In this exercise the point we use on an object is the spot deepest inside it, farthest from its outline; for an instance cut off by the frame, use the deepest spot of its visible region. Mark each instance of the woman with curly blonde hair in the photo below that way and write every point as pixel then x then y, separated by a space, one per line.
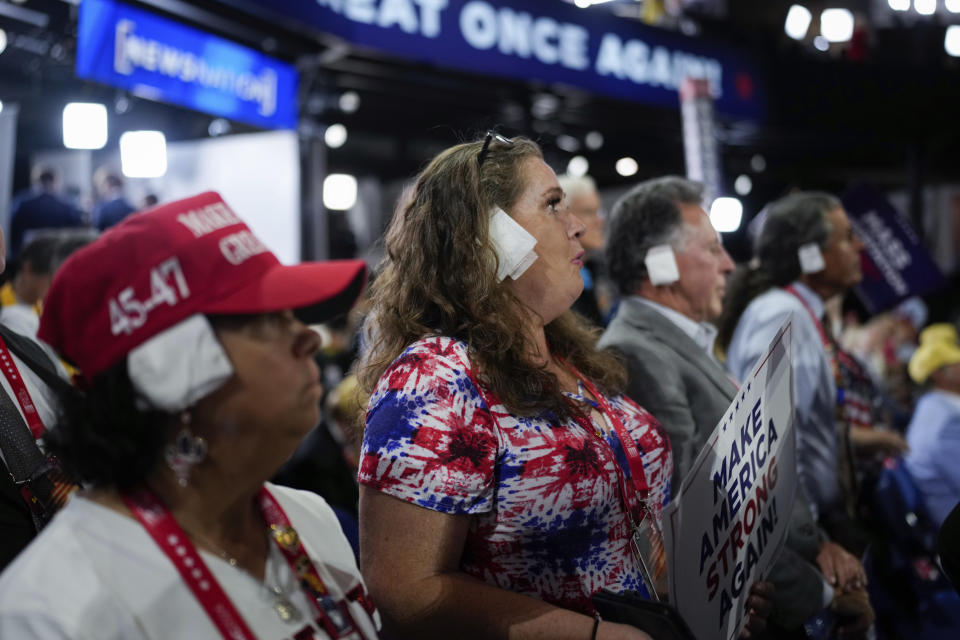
pixel 502 473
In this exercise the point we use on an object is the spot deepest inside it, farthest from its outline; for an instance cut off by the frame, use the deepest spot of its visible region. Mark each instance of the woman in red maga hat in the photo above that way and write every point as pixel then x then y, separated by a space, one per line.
pixel 198 381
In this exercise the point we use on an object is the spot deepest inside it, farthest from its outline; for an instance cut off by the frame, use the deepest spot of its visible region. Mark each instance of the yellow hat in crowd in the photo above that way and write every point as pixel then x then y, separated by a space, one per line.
pixel 939 347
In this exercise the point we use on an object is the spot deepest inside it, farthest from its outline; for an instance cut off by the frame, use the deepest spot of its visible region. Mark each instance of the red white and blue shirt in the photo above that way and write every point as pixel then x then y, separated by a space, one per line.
pixel 549 521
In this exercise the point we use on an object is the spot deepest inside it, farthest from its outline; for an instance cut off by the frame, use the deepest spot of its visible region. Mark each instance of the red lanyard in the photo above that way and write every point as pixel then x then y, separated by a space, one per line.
pixel 20 391
pixel 176 545
pixel 638 477
pixel 827 343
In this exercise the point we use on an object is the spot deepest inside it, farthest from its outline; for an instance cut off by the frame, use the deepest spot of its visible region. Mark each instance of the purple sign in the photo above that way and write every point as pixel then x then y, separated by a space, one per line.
pixel 896 264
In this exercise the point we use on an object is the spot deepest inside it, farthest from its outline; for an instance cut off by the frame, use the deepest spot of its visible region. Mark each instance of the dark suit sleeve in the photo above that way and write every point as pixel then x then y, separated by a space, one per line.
pixel 655 384
pixel 798 583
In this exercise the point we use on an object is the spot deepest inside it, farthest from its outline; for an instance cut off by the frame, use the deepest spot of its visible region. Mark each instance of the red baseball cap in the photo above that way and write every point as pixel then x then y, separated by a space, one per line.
pixel 157 268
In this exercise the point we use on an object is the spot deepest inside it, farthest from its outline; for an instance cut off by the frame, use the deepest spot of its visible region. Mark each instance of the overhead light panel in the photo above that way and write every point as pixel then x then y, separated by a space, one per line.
pixel 84 125
pixel 3 40
pixel 899 5
pixel 339 191
pixel 953 6
pixel 143 154
pixel 798 22
pixel 951 42
pixel 725 214
pixel 836 25
pixel 925 7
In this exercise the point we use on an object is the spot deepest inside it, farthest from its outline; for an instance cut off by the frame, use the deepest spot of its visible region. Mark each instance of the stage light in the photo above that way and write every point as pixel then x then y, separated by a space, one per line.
pixel 593 140
pixel 335 136
pixel 951 42
pixel 84 125
pixel 339 191
pixel 725 214
pixel 349 102
pixel 143 154
pixel 836 25
pixel 626 166
pixel 578 166
pixel 798 22
pixel 925 7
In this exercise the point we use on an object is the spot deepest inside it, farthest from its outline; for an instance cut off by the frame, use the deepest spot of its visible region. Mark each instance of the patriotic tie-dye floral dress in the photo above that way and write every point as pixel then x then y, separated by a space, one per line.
pixel 549 521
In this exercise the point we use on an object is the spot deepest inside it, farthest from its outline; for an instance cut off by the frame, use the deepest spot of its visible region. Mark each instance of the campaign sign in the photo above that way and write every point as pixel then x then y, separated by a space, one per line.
pixel 896 264
pixel 725 528
pixel 534 40
pixel 163 60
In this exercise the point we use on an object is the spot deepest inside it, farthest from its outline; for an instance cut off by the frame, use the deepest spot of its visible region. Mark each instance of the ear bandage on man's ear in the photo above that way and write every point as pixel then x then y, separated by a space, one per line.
pixel 661 265
pixel 811 258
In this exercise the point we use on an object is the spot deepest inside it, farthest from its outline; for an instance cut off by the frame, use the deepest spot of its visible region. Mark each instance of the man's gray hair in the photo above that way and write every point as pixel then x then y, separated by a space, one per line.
pixel 576 185
pixel 647 216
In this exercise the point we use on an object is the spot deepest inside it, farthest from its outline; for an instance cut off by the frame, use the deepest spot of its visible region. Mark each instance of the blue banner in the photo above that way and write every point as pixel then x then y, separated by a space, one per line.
pixel 896 264
pixel 534 40
pixel 163 60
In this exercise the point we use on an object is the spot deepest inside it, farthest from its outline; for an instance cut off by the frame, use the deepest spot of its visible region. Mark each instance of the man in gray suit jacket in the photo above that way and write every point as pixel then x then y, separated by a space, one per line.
pixel 671 267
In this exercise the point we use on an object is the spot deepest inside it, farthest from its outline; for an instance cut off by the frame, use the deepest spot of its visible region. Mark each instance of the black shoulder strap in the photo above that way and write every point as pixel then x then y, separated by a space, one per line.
pixel 33 355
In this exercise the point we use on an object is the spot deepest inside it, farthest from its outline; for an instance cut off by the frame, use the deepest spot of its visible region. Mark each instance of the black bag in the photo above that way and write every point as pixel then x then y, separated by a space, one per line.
pixel 658 619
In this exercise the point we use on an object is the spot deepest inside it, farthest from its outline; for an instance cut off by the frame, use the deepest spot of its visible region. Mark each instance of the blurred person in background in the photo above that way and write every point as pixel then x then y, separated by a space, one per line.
pixel 112 205
pixel 41 207
pixel 21 298
pixel 198 382
pixel 885 344
pixel 934 431
pixel 663 327
pixel 583 199
pixel 326 461
pixel 33 274
pixel 807 253
pixel 501 471
pixel 33 487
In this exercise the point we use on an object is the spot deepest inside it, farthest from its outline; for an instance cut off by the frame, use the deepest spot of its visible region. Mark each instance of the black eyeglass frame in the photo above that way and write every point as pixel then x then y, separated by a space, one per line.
pixel 490 137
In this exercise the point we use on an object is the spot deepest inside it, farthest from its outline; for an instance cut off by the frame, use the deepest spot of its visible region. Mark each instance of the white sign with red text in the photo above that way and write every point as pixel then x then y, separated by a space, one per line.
pixel 725 527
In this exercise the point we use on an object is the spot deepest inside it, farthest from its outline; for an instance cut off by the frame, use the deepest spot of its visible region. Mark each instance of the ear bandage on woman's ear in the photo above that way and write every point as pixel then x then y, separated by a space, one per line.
pixel 661 265
pixel 180 365
pixel 513 244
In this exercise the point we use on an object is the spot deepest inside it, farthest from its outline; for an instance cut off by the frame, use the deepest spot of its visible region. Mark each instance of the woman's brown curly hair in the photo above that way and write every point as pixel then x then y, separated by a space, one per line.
pixel 440 278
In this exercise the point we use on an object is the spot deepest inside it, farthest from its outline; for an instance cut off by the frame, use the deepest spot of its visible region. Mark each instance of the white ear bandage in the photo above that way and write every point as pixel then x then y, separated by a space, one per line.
pixel 661 265
pixel 811 259
pixel 180 365
pixel 513 244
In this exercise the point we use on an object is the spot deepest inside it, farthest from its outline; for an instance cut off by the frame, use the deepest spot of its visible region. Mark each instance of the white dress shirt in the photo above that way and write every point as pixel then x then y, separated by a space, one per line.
pixel 814 385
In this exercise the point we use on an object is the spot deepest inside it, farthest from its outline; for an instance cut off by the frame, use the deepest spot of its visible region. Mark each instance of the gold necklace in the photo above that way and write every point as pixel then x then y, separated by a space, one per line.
pixel 286 610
